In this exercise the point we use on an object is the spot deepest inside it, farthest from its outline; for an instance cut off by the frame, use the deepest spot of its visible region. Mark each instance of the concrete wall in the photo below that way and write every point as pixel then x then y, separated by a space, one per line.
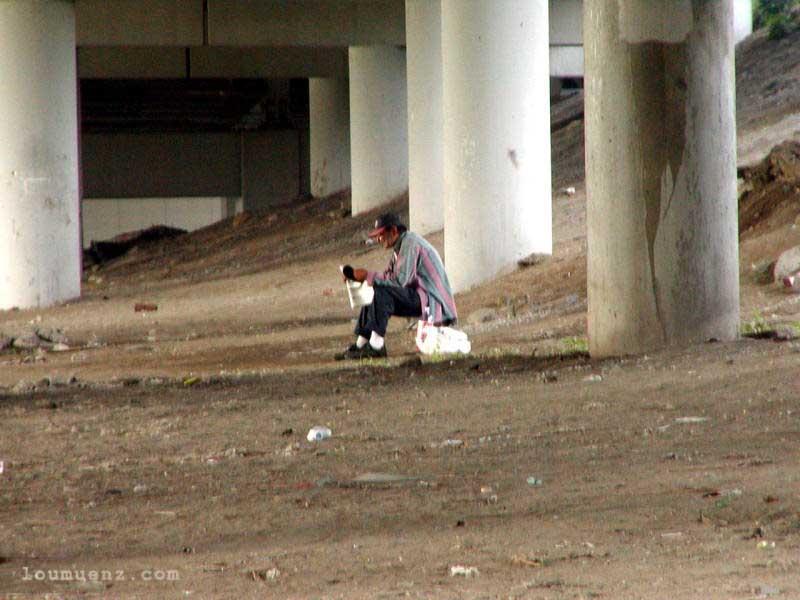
pixel 103 218
pixel 132 181
pixel 274 168
pixel 159 165
pixel 271 165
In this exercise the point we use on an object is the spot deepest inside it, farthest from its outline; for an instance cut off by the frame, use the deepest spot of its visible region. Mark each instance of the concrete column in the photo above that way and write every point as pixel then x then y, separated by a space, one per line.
pixel 378 125
pixel 40 261
pixel 425 119
pixel 329 106
pixel 663 263
pixel 742 19
pixel 496 136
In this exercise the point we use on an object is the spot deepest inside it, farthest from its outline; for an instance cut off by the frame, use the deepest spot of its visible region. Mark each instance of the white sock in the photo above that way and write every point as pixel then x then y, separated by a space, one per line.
pixel 361 341
pixel 376 341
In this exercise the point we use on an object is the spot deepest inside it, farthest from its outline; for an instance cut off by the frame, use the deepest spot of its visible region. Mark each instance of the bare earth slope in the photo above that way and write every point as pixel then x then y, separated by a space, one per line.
pixel 166 449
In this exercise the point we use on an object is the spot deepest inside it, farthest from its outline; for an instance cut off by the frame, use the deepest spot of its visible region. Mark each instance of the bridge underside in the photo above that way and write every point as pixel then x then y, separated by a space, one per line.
pixel 245 103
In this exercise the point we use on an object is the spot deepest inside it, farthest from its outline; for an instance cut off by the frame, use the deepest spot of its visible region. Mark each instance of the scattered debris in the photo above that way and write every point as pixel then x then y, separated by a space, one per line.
pixel 686 420
pixel 241 218
pixel 569 191
pixel 522 561
pixel 765 591
pixel 448 444
pixel 190 381
pixel 593 378
pixel 139 488
pixel 548 377
pixel 533 481
pixel 533 259
pixel 318 433
pixel 145 307
pixel 462 571
pixel 763 272
pixel 787 266
pixel 765 545
pixel 264 574
pixel 482 315
pixel 383 478
pixel 27 341
pixel 673 535
pixel 101 252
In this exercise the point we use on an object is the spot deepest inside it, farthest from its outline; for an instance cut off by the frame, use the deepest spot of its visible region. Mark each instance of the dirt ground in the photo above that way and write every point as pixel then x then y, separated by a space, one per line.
pixel 162 454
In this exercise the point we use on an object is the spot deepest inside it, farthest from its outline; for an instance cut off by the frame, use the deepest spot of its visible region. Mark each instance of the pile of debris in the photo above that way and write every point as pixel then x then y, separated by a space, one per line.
pixel 46 339
pixel 771 190
pixel 102 252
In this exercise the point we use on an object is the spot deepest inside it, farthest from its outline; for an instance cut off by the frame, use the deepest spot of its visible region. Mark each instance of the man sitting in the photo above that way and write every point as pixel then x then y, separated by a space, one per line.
pixel 414 285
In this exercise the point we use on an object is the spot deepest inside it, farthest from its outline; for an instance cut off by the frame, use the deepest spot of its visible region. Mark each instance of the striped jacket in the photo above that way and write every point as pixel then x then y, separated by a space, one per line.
pixel 416 264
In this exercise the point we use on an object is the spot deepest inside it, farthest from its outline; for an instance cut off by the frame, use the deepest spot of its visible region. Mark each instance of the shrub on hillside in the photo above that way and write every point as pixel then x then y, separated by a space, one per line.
pixel 776 15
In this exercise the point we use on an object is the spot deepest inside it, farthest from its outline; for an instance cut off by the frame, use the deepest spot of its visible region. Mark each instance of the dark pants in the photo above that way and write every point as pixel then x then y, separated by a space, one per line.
pixel 388 301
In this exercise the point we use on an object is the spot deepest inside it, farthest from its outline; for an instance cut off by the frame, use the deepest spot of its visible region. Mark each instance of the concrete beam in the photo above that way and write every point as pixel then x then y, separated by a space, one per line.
pixel 139 22
pixel 131 62
pixel 279 62
pixel 306 22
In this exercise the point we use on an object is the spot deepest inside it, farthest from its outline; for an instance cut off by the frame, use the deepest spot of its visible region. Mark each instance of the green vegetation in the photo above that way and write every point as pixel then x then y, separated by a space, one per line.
pixel 776 16
pixel 575 345
pixel 755 327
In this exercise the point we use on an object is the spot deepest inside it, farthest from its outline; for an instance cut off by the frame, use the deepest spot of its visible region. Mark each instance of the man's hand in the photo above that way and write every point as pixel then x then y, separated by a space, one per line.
pixel 354 274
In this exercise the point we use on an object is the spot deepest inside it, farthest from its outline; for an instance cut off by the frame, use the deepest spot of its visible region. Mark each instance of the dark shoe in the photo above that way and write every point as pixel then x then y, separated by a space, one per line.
pixel 353 352
pixel 370 352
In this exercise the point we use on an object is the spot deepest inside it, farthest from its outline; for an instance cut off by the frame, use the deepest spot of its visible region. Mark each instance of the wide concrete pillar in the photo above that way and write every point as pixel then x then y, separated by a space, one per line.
pixel 329 107
pixel 660 174
pixel 40 260
pixel 496 136
pixel 425 118
pixel 378 125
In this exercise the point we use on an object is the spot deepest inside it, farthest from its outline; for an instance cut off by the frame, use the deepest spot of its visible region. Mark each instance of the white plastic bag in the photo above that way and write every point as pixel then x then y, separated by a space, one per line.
pixel 441 340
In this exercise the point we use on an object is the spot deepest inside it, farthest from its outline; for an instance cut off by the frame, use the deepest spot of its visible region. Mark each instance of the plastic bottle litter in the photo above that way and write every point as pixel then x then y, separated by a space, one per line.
pixel 318 433
pixel 534 481
pixel 462 571
pixel 2 467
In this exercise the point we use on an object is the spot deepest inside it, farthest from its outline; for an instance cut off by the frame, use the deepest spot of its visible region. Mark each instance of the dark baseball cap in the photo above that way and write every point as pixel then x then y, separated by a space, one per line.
pixel 384 222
